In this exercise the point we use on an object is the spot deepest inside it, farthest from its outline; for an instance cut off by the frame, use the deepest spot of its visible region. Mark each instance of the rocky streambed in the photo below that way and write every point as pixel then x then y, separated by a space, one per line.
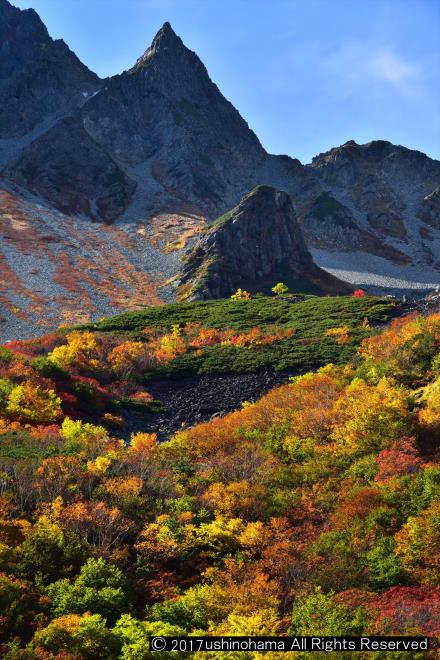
pixel 198 398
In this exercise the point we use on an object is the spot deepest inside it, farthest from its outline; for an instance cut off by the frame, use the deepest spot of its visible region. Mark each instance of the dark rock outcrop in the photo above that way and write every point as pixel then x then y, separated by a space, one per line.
pixel 253 246
pixel 198 398
pixel 327 223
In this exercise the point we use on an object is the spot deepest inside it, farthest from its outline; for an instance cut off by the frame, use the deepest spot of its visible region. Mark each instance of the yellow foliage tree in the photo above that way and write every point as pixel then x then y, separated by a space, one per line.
pixel 370 416
pixel 341 334
pixel 236 498
pixel 169 345
pixel 280 289
pixel 31 403
pixel 430 413
pixel 418 545
pixel 159 542
pixel 240 294
pixel 81 351
pixel 83 436
pixel 130 357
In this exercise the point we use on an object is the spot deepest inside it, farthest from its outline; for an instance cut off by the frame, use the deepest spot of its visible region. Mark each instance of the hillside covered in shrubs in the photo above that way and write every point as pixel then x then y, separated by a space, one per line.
pixel 314 510
pixel 95 372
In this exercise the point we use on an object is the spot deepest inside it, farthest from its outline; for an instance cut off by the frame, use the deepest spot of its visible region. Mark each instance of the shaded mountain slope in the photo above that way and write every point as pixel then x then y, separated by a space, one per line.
pixel 39 77
pixel 80 180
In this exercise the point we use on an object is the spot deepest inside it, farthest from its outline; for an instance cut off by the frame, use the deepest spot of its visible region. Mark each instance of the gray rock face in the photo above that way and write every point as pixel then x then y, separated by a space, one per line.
pixel 379 165
pixel 327 222
pixel 39 76
pixel 430 209
pixel 253 246
pixel 57 175
pixel 168 110
pixel 164 114
pixel 370 197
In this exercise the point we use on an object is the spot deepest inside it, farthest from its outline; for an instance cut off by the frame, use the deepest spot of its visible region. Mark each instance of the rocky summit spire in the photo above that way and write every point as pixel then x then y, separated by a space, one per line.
pixel 165 40
pixel 166 37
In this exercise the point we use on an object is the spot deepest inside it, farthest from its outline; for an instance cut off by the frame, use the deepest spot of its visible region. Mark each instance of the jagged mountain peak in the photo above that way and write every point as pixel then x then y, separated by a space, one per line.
pixel 166 44
pixel 25 41
pixel 166 36
pixel 168 111
pixel 6 6
pixel 172 69
pixel 386 163
pixel 375 150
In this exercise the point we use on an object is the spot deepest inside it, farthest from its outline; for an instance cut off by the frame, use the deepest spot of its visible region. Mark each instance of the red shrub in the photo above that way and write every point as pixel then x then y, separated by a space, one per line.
pixel 402 609
pixel 401 458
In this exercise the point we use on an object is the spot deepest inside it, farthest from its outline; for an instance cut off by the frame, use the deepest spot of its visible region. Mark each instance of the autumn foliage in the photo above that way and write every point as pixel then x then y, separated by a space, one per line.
pixel 313 511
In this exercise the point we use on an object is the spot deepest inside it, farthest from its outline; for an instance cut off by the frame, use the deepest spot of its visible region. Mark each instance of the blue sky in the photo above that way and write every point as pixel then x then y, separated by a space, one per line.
pixel 306 75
